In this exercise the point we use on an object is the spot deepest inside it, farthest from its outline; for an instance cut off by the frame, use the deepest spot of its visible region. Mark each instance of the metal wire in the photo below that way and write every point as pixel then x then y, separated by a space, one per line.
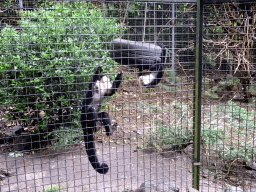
pixel 50 51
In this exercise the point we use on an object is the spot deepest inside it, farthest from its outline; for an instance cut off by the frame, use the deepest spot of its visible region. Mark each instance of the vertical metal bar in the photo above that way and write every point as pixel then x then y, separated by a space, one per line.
pixel 21 5
pixel 173 37
pixel 145 21
pixel 197 93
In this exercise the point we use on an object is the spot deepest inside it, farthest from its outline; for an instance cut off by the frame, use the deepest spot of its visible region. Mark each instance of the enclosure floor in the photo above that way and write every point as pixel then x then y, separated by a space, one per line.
pixel 71 171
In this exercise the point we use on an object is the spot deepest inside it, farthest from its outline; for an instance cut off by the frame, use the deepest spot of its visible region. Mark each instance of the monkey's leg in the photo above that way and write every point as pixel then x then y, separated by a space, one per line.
pixel 106 122
pixel 156 67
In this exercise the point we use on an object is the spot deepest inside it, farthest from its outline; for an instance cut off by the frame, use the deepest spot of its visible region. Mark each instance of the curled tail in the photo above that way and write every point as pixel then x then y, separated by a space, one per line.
pixel 91 152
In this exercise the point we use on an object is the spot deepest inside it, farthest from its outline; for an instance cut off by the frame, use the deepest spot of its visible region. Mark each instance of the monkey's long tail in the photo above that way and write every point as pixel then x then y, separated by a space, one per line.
pixel 91 152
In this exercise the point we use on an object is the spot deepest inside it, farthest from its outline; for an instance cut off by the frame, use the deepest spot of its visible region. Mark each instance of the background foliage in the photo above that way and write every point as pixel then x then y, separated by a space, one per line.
pixel 45 65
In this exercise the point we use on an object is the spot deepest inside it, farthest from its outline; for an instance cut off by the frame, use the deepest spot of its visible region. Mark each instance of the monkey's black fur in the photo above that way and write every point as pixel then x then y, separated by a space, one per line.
pixel 90 114
pixel 141 55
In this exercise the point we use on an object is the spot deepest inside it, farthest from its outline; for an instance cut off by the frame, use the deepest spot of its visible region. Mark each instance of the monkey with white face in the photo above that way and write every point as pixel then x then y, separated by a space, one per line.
pixel 100 87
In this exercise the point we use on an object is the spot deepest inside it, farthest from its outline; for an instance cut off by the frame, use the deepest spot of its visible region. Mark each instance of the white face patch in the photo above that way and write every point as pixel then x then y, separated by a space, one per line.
pixel 146 79
pixel 103 85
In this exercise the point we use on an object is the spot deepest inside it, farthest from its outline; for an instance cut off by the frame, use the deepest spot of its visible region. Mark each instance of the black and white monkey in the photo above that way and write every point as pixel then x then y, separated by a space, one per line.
pixel 156 70
pixel 144 56
pixel 99 88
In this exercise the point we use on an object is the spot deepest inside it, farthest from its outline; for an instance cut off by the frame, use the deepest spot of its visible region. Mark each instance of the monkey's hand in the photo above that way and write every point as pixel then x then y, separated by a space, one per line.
pixel 99 69
pixel 112 129
pixel 119 76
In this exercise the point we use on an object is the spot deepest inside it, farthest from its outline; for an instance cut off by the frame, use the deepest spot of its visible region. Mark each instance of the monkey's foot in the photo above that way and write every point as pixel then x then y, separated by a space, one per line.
pixel 112 129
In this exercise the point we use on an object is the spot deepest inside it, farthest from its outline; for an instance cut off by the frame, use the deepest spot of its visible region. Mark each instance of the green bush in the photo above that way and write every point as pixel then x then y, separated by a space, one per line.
pixel 44 66
pixel 167 135
pixel 174 132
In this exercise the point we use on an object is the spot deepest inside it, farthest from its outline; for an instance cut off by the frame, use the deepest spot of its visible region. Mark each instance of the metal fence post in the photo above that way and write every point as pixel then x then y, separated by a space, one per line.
pixel 197 93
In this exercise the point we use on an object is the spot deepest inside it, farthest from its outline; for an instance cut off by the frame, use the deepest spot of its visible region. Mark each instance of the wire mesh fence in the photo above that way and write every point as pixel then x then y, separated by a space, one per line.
pixel 228 119
pixel 99 96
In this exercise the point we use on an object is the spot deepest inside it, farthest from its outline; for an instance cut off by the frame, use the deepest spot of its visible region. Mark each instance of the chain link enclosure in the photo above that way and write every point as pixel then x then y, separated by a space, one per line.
pixel 50 51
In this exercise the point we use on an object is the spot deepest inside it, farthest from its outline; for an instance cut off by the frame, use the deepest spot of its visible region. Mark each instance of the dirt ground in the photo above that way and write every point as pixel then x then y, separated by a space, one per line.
pixel 71 171
pixel 130 165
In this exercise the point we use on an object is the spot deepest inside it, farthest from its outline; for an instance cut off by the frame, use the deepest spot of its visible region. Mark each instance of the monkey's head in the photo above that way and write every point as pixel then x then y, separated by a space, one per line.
pixel 103 85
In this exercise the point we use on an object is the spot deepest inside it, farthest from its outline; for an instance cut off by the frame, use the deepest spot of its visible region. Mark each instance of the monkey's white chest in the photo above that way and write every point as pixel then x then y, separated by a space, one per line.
pixel 101 88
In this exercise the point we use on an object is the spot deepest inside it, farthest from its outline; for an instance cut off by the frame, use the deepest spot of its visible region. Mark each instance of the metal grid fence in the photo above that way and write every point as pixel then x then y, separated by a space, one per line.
pixel 51 51
pixel 228 110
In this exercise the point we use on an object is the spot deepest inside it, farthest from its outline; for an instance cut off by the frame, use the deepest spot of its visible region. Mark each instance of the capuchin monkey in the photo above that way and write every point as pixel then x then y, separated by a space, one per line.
pixel 100 87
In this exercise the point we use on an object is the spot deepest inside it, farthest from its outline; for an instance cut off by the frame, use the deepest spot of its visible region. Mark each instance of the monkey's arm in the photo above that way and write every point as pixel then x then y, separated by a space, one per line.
pixel 96 77
pixel 115 84
pixel 156 67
